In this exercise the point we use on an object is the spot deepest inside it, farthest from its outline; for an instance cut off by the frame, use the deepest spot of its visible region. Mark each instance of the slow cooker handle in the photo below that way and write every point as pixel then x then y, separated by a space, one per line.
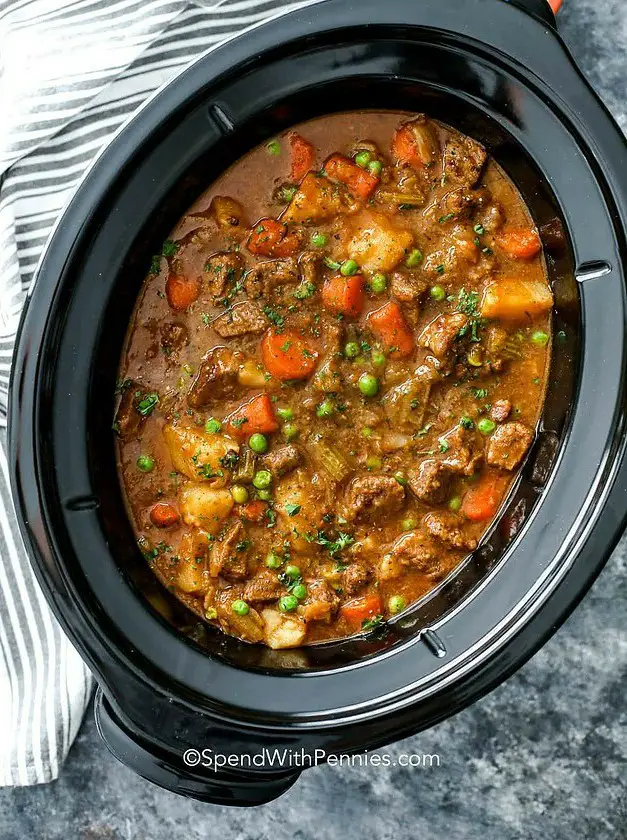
pixel 168 771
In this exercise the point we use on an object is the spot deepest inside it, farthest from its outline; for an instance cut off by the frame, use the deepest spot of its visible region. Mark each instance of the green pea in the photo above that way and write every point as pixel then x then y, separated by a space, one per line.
pixel 400 477
pixel 351 349
pixel 375 168
pixel 239 493
pixel 368 385
pixel 378 283
pixel 285 413
pixel 258 443
pixel 262 480
pixel 325 409
pixel 414 258
pixel 363 159
pixel 146 463
pixel 319 240
pixel 396 604
pixel 240 607
pixel 288 603
pixel 408 524
pixel 300 591
pixel 540 338
pixel 292 571
pixel 486 426
pixel 367 431
pixel 373 462
pixel 213 426
pixel 273 560
pixel 264 495
pixel 291 431
pixel 378 358
pixel 348 268
pixel 437 292
pixel 455 504
pixel 273 148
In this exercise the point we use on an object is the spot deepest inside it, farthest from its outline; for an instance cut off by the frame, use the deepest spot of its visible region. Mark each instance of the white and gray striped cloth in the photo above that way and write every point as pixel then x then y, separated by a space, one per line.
pixel 71 71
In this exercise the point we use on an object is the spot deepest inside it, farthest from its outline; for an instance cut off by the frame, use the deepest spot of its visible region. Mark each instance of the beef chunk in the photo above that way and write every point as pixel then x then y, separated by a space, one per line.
pixel 216 378
pixel 407 287
pixel 308 266
pixel 463 201
pixel 508 445
pixel 282 460
pixel 430 481
pixel 328 377
pixel 321 603
pixel 501 410
pixel 373 495
pixel 464 160
pixel 460 453
pixel 448 528
pixel 241 319
pixel 261 280
pixel 417 550
pixel 355 578
pixel 173 336
pixel 440 335
pixel 265 586
pixel 127 418
pixel 229 555
pixel 221 270
pixel 249 627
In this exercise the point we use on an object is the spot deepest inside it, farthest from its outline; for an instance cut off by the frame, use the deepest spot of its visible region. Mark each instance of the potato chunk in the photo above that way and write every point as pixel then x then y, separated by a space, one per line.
pixel 281 630
pixel 318 198
pixel 205 507
pixel 515 299
pixel 377 244
pixel 228 213
pixel 197 454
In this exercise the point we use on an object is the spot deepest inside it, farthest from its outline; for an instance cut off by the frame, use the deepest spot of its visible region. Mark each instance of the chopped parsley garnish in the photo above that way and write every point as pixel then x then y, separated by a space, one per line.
pixel 292 509
pixel 238 422
pixel 443 445
pixel 304 291
pixel 243 545
pixel 155 264
pixel 147 404
pixel 372 623
pixel 466 423
pixel 467 304
pixel 270 515
pixel 443 219
pixel 206 471
pixel 440 268
pixel 479 393
pixel 229 461
pixel 277 319
pixel 170 248
pixel 334 547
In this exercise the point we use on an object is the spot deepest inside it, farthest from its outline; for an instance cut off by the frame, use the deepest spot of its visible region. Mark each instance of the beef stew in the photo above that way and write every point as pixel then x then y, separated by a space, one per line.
pixel 334 370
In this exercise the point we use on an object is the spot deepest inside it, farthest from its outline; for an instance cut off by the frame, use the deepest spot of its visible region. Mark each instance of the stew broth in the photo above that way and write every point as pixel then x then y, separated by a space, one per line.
pixel 333 372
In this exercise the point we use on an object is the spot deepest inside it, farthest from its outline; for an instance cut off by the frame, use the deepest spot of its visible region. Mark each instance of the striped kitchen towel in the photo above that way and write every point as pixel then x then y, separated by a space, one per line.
pixel 71 72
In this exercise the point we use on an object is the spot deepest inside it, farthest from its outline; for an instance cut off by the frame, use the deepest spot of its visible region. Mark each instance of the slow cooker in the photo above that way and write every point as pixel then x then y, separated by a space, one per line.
pixel 496 70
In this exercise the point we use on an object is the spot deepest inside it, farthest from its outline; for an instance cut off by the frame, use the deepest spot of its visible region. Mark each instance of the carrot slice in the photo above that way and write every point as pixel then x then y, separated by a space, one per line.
pixel 344 295
pixel 265 237
pixel 181 291
pixel 164 515
pixel 521 243
pixel 404 147
pixel 359 181
pixel 253 511
pixel 360 609
pixel 257 415
pixel 482 500
pixel 288 246
pixel 302 156
pixel 388 323
pixel 287 356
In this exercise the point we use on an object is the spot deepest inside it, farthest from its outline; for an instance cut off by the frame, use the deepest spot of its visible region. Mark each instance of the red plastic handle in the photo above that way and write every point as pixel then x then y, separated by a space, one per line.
pixel 555 5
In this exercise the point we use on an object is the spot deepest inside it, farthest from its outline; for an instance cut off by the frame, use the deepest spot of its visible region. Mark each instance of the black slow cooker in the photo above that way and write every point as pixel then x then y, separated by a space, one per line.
pixel 496 70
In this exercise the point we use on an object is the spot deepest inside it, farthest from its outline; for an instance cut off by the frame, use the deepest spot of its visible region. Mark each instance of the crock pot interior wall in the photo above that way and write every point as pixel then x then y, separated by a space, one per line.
pixel 215 152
